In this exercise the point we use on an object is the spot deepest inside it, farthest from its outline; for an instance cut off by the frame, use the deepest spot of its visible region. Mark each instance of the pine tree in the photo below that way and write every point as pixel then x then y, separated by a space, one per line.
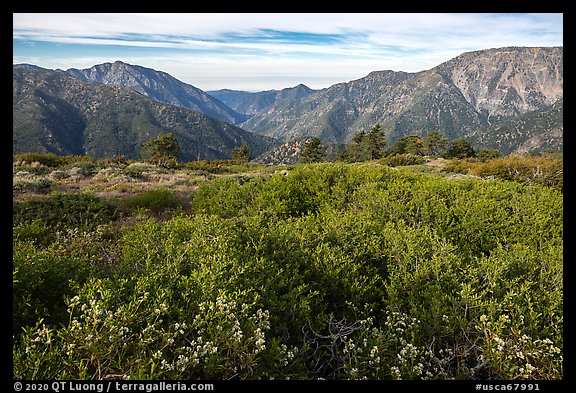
pixel 367 145
pixel 312 151
pixel 162 151
pixel 410 144
pixel 459 148
pixel 355 151
pixel 414 145
pixel 435 143
pixel 241 154
pixel 374 143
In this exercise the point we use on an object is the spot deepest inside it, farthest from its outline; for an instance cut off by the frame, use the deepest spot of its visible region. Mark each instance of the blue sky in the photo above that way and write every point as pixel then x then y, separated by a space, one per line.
pixel 260 51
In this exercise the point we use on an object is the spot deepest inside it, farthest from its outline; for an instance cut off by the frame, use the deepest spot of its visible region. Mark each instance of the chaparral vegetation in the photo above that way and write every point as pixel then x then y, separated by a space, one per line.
pixel 383 269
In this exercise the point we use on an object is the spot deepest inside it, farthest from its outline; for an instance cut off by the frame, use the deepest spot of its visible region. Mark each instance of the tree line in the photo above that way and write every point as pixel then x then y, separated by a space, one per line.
pixel 364 146
pixel 371 145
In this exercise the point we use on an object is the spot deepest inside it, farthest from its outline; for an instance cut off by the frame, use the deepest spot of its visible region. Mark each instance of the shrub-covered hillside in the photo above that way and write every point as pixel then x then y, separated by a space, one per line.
pixel 333 271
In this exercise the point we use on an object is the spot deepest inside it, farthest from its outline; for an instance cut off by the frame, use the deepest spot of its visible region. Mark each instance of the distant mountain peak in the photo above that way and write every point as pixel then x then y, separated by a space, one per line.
pixel 301 86
pixel 463 95
pixel 58 113
pixel 253 103
pixel 157 85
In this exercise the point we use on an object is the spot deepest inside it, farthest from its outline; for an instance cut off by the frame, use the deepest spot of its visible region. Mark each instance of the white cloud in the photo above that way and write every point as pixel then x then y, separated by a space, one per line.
pixel 206 25
pixel 262 51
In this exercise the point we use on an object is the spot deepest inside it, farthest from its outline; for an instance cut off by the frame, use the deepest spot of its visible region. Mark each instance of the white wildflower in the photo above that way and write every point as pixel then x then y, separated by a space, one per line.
pixel 396 372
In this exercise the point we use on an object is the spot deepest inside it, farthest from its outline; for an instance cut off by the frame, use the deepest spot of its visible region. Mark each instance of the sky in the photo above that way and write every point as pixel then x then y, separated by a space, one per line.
pixel 259 51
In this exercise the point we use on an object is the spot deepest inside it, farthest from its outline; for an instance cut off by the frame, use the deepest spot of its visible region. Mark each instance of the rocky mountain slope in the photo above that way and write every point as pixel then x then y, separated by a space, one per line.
pixel 54 112
pixel 251 103
pixel 539 130
pixel 507 98
pixel 506 82
pixel 462 96
pixel 159 86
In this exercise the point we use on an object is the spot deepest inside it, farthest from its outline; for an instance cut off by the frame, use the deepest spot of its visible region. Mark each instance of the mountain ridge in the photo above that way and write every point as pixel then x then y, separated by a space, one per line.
pixel 467 93
pixel 158 85
pixel 249 103
pixel 499 98
pixel 54 112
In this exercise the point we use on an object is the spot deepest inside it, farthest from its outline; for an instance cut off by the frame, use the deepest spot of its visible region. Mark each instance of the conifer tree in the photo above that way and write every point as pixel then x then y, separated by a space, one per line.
pixel 374 143
pixel 459 148
pixel 435 143
pixel 241 154
pixel 355 151
pixel 312 151
pixel 367 145
pixel 414 145
pixel 162 151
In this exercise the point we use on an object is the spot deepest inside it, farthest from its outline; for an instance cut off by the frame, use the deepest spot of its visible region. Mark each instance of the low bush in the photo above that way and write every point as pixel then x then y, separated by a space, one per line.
pixel 50 160
pixel 31 184
pixel 403 160
pixel 59 212
pixel 333 271
pixel 42 281
pixel 156 200
pixel 543 170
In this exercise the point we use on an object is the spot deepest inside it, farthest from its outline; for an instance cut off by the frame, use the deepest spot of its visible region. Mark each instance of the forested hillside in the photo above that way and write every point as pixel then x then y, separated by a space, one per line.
pixel 53 112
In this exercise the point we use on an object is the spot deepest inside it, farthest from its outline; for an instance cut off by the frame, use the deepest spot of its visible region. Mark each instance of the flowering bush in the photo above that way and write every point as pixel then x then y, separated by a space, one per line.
pixel 329 271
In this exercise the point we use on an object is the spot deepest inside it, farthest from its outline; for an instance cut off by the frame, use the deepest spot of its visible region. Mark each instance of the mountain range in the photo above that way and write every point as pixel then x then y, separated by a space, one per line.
pixel 474 91
pixel 507 98
pixel 159 86
pixel 55 112
pixel 252 103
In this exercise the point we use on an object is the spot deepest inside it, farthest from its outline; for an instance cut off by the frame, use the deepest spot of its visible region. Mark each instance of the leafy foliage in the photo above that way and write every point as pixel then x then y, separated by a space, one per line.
pixel 459 148
pixel 163 150
pixel 435 143
pixel 50 160
pixel 403 160
pixel 241 154
pixel 61 211
pixel 335 271
pixel 545 170
pixel 411 144
pixel 156 200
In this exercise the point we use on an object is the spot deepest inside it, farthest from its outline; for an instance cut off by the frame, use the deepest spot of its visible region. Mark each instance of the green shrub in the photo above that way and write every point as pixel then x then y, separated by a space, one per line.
pixel 488 154
pixel 50 160
pixel 328 271
pixel 33 184
pixel 543 170
pixel 223 197
pixel 83 168
pixel 59 212
pixel 214 166
pixel 156 200
pixel 403 160
pixel 41 282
